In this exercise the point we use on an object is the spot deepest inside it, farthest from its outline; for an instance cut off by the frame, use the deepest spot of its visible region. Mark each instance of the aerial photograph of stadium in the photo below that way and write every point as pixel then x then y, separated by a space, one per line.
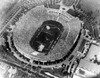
pixel 49 38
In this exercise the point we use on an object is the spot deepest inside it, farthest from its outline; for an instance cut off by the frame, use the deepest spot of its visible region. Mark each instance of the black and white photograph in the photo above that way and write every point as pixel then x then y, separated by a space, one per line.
pixel 49 38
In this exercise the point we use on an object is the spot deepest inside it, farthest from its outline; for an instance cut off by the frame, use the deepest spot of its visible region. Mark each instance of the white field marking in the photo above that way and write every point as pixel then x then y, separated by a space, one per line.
pixel 48 27
pixel 41 47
